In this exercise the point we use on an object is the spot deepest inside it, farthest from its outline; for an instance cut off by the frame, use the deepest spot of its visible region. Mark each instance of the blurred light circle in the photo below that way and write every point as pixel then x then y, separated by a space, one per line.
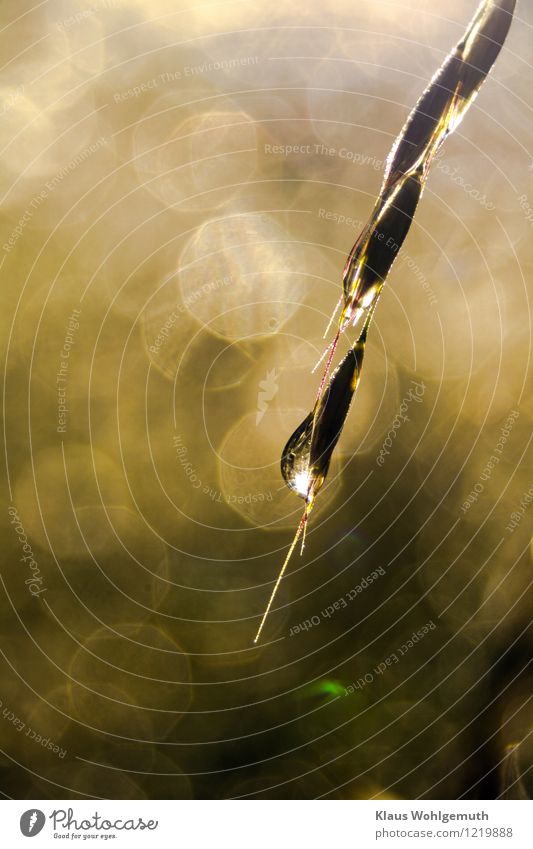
pixel 195 161
pixel 241 275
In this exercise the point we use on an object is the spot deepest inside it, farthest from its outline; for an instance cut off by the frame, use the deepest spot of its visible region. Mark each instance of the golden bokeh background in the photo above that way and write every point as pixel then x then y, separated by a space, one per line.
pixel 181 185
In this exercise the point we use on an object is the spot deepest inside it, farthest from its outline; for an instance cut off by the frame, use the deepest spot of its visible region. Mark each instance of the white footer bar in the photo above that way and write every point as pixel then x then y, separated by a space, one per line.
pixel 258 824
